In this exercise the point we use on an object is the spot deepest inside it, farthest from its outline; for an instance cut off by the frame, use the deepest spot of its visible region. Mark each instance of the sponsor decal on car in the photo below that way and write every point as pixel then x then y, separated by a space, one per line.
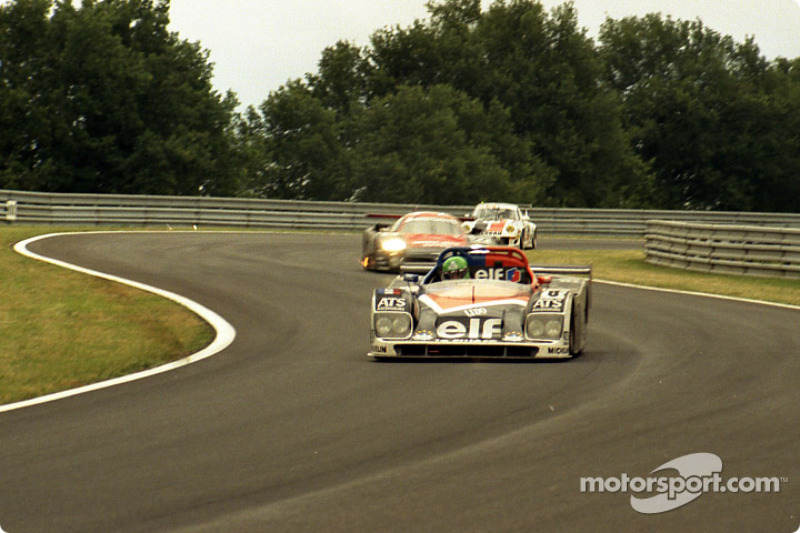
pixel 450 304
pixel 502 274
pixel 558 350
pixel 551 301
pixel 391 303
pixel 470 328
pixel 496 227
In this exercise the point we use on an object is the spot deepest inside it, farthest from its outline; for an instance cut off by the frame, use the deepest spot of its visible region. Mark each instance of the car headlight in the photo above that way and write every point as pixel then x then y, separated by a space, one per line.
pixel 544 326
pixel 393 325
pixel 393 245
pixel 424 336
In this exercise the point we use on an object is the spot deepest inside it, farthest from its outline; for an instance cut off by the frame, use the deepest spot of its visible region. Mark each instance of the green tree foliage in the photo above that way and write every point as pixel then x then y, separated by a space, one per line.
pixel 777 169
pixel 545 70
pixel 508 103
pixel 24 125
pixel 661 113
pixel 343 82
pixel 426 146
pixel 530 121
pixel 714 119
pixel 103 98
pixel 298 138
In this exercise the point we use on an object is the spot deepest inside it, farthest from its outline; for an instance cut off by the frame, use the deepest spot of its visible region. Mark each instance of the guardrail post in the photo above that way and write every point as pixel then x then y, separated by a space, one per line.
pixel 11 210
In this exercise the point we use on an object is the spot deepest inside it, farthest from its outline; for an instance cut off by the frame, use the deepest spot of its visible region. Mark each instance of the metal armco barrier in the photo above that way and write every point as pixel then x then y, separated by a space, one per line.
pixel 720 248
pixel 181 211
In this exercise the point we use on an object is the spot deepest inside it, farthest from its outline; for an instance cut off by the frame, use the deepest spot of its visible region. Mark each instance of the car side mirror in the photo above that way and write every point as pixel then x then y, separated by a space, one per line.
pixel 410 277
pixel 544 280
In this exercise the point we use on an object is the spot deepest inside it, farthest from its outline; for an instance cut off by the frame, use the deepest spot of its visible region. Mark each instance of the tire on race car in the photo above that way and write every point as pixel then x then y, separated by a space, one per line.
pixel 573 339
pixel 574 331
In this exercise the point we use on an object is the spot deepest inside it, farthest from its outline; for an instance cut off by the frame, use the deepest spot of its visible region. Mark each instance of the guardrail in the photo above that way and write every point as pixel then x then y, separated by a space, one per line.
pixel 719 248
pixel 147 210
pixel 176 211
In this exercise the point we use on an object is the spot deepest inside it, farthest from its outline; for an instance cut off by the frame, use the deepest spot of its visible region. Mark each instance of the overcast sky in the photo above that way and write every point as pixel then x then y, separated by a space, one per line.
pixel 257 45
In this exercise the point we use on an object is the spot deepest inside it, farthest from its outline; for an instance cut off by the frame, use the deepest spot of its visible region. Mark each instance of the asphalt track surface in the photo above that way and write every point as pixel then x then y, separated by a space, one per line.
pixel 291 428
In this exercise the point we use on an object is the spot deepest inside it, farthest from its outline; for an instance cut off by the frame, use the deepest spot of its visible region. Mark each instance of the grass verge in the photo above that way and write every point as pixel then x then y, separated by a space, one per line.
pixel 628 266
pixel 62 329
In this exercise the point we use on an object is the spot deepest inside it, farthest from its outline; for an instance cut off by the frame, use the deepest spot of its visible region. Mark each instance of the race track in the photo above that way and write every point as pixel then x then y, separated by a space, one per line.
pixel 292 428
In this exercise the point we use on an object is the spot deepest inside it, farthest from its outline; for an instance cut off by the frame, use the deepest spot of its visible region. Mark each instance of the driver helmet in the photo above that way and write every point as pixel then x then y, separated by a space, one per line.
pixel 455 268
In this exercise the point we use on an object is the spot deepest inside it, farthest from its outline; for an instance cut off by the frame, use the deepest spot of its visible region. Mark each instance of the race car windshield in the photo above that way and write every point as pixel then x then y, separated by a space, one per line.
pixel 493 214
pixel 431 227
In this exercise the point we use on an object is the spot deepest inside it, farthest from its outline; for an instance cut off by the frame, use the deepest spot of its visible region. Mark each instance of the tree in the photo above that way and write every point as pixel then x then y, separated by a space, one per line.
pixel 301 154
pixel 776 182
pixel 116 102
pixel 544 72
pixel 343 78
pixel 710 114
pixel 426 146
pixel 24 121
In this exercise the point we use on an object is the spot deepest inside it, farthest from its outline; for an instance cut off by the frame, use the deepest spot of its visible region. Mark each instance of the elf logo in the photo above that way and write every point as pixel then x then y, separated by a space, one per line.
pixel 474 328
pixel 503 274
pixel 490 273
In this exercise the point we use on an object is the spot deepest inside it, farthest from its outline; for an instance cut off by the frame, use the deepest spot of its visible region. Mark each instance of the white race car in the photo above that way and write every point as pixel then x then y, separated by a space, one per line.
pixel 504 224
pixel 483 302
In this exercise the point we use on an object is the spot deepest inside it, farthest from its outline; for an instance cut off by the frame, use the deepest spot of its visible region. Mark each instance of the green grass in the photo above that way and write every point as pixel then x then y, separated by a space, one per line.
pixel 628 266
pixel 61 329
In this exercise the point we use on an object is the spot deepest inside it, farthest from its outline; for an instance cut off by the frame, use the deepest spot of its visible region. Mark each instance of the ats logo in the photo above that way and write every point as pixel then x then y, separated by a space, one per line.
pixel 391 304
pixel 473 328
pixel 552 301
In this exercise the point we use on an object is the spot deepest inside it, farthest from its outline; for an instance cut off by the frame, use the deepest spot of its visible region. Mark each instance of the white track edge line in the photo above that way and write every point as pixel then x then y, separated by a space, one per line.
pixel 702 294
pixel 225 332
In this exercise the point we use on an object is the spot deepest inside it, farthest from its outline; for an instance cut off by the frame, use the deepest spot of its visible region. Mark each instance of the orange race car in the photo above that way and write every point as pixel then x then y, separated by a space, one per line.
pixel 412 243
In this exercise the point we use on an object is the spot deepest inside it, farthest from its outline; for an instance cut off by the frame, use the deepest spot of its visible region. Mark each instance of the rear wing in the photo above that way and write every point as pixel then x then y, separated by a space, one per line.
pixel 558 270
pixel 393 217
pixel 416 268
pixel 383 220
pixel 382 215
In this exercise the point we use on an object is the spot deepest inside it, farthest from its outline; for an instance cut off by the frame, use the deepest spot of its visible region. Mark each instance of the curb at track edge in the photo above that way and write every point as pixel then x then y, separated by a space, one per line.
pixel 225 332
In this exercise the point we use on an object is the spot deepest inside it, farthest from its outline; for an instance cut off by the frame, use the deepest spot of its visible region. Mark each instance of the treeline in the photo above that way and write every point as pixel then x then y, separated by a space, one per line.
pixel 513 103
pixel 103 98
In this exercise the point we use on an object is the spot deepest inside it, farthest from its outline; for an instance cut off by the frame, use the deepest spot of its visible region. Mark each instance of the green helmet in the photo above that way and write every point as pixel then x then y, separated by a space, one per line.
pixel 455 268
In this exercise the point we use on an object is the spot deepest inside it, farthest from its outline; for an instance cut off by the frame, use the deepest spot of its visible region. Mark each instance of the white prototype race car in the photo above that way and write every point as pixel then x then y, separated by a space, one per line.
pixel 500 223
pixel 485 303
